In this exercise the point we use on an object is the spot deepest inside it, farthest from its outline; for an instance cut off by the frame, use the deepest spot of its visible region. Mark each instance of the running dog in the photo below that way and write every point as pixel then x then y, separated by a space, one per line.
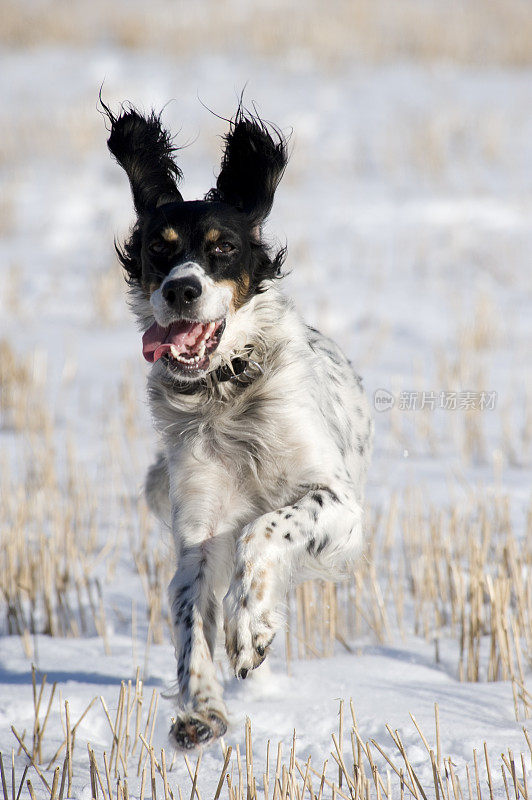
pixel 265 429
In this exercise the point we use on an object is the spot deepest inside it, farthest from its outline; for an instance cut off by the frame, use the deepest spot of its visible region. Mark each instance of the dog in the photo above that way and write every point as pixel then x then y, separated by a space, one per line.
pixel 265 429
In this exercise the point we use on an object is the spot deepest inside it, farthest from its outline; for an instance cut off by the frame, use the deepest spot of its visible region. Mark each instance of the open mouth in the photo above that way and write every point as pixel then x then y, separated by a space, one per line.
pixel 185 345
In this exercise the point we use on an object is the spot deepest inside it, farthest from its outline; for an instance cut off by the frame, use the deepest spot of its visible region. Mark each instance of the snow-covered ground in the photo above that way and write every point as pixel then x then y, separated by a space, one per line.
pixel 406 207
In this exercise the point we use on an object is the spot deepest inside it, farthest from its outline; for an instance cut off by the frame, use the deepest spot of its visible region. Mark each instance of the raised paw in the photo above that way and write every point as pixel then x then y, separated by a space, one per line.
pixel 194 730
pixel 247 635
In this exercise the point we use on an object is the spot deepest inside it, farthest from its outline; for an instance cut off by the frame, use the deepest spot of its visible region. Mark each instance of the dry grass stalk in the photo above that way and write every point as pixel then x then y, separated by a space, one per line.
pixel 21 391
pixel 30 790
pixel 2 773
pixel 47 541
pixel 126 727
pixel 29 755
pixel 154 571
pixel 49 526
pixel 39 726
pixel 72 730
pixel 473 588
pixel 15 793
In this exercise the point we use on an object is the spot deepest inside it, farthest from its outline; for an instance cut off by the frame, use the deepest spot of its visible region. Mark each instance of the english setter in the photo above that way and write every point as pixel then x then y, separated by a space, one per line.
pixel 265 429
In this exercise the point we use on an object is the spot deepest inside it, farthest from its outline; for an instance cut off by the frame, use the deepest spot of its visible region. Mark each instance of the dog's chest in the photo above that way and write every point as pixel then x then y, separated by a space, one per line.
pixel 262 442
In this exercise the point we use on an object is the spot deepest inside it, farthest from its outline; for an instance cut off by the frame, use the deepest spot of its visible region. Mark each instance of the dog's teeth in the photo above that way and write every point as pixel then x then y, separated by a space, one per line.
pixel 174 351
pixel 201 351
pixel 185 360
pixel 208 330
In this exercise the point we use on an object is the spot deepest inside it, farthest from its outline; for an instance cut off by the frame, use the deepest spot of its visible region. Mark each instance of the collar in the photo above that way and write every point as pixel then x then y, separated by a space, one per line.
pixel 241 371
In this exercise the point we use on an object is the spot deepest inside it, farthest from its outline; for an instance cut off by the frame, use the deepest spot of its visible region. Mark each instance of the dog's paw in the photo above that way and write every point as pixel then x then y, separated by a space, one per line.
pixel 248 635
pixel 192 730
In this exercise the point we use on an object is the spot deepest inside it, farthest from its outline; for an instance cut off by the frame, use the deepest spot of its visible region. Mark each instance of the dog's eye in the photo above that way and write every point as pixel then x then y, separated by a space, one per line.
pixel 224 247
pixel 157 247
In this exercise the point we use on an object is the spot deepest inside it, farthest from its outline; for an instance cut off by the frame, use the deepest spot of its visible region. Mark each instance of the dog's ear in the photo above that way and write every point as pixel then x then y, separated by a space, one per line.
pixel 254 160
pixel 144 149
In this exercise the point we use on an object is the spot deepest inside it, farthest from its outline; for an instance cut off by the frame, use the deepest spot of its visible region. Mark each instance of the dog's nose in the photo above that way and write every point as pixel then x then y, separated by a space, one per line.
pixel 181 291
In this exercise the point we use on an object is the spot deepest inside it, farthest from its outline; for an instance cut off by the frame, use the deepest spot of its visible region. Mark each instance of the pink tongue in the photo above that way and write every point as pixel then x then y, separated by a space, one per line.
pixel 157 341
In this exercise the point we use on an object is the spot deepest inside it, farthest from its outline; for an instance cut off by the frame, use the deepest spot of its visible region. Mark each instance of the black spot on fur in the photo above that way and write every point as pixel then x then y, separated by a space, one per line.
pixel 314 549
pixel 317 499
pixel 322 545
pixel 334 497
pixel 210 612
pixel 288 537
pixel 201 569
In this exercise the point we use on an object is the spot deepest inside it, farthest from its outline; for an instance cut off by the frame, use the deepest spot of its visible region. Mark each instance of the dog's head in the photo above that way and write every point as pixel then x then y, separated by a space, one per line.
pixel 195 264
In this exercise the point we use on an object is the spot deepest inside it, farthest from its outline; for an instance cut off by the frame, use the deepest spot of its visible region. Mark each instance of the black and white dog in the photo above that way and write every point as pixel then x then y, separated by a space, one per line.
pixel 265 429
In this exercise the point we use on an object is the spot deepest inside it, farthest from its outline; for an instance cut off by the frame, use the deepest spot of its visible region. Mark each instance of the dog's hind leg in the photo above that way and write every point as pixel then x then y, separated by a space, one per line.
pixel 323 525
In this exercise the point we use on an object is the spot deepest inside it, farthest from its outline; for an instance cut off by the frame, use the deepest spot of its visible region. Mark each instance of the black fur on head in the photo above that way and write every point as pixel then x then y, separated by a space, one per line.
pixel 254 161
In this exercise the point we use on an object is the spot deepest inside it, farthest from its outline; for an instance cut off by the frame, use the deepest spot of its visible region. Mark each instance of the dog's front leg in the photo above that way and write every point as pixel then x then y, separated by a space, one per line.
pixel 195 612
pixel 269 551
pixel 204 513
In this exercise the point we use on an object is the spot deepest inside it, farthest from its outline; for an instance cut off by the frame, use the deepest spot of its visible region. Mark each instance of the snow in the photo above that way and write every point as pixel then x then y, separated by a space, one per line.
pixel 403 680
pixel 406 199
